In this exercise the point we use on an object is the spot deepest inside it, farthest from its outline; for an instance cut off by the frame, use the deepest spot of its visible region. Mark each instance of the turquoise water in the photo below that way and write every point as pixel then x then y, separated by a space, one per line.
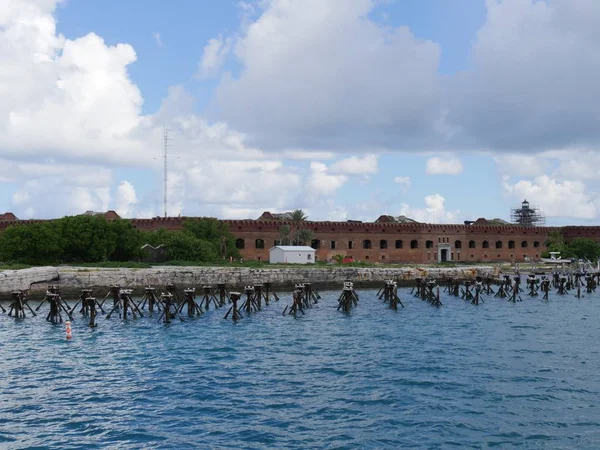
pixel 503 375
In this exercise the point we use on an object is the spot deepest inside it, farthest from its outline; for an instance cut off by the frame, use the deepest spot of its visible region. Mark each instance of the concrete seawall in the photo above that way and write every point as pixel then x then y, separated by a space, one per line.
pixel 37 279
pixel 14 280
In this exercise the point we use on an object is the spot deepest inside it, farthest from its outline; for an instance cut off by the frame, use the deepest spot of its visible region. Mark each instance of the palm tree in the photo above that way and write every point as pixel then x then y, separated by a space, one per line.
pixel 555 239
pixel 298 218
pixel 305 237
pixel 285 233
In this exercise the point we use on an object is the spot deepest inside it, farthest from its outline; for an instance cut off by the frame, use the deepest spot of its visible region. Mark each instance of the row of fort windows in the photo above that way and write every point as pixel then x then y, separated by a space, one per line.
pixel 398 244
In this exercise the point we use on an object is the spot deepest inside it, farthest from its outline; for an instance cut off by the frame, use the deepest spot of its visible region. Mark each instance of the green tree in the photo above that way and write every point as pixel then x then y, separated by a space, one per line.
pixel 86 238
pixel 585 248
pixel 184 246
pixel 556 243
pixel 555 239
pixel 125 242
pixel 305 237
pixel 155 237
pixel 37 243
pixel 298 218
pixel 285 232
pixel 214 232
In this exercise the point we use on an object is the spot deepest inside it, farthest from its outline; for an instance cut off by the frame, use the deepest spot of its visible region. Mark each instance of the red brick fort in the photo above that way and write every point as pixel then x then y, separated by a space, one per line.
pixel 384 240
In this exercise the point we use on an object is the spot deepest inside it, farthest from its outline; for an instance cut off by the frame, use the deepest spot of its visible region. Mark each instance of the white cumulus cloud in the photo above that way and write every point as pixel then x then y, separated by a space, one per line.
pixel 533 84
pixel 356 165
pixel 214 56
pixel 567 198
pixel 126 199
pixel 52 190
pixel 301 86
pixel 434 211
pixel 523 165
pixel 404 182
pixel 321 181
pixel 65 97
pixel 443 166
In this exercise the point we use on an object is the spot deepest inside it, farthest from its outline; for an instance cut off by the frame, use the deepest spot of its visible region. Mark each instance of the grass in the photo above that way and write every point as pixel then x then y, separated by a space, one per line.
pixel 113 265
pixel 14 266
pixel 246 264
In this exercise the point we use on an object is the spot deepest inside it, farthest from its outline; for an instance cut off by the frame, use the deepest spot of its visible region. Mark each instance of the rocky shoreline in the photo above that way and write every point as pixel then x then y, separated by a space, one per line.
pixel 75 278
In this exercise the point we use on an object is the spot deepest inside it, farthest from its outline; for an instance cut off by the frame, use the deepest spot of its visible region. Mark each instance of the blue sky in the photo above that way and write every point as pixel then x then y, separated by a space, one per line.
pixel 442 111
pixel 185 26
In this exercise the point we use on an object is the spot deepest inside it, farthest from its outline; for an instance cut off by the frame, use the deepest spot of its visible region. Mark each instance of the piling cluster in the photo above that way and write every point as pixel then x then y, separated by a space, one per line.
pixel 348 298
pixel 172 303
pixel 303 297
pixel 427 290
pixel 57 305
pixel 389 294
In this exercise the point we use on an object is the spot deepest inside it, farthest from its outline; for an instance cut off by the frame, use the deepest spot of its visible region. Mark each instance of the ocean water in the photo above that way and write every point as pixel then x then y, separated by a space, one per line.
pixel 524 375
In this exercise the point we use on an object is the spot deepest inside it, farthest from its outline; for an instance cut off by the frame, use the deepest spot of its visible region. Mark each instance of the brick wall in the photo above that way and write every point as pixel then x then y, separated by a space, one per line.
pixel 411 243
pixel 390 242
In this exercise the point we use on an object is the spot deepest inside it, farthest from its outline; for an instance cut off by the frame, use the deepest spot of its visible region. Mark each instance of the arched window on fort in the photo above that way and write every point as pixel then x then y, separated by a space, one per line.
pixel 498 244
pixel 399 244
pixel 471 245
pixel 414 244
pixel 428 244
pixel 524 244
pixel 383 244
pixel 511 244
pixel 315 243
pixel 536 244
pixel 457 244
pixel 240 244
pixel 259 243
pixel 367 244
pixel 485 244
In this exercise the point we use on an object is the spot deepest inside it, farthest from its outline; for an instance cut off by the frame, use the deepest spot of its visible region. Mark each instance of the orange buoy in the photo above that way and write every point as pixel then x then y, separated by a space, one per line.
pixel 68 329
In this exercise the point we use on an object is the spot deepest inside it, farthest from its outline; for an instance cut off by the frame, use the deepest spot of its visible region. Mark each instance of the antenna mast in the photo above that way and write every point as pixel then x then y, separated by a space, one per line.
pixel 165 153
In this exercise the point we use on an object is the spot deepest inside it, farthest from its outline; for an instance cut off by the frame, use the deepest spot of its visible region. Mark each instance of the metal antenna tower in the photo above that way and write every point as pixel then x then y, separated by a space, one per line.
pixel 165 154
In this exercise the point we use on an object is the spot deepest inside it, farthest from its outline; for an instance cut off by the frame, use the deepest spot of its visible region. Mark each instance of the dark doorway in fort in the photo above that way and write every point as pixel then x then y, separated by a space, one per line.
pixel 444 255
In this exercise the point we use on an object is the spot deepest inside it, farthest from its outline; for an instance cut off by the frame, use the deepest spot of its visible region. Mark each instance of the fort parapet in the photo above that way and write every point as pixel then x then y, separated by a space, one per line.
pixel 399 242
pixel 388 242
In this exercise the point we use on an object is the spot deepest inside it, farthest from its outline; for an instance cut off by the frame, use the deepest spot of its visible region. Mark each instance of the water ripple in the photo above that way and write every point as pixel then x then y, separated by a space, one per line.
pixel 497 375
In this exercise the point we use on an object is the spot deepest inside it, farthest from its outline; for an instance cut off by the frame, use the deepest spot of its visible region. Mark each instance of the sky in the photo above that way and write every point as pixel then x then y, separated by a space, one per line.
pixel 348 109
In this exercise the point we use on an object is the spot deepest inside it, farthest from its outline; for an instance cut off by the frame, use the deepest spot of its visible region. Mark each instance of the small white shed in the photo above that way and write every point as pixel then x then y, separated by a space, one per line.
pixel 292 254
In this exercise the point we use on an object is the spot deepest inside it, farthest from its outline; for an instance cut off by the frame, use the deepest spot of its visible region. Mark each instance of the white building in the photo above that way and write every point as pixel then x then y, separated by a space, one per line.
pixel 292 254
